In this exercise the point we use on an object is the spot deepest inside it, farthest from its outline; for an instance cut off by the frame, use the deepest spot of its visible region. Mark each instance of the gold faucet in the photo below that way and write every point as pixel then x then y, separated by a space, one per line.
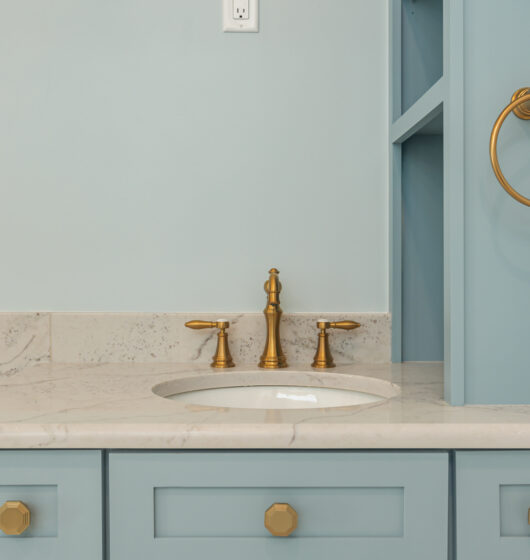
pixel 222 357
pixel 273 356
pixel 323 358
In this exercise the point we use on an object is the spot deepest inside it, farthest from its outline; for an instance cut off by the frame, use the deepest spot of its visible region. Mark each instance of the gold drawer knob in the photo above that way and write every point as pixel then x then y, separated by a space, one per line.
pixel 14 518
pixel 281 520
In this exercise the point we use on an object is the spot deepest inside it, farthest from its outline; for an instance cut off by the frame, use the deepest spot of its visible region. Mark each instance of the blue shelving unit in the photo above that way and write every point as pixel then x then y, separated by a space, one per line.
pixel 426 151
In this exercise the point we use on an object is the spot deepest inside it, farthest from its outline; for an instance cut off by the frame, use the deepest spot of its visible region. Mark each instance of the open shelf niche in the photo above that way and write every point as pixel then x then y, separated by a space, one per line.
pixel 421 48
pixel 422 281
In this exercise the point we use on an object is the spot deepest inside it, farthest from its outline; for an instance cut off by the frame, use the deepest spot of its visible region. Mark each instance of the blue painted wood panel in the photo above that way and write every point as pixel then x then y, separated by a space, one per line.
pixel 63 491
pixel 514 502
pixel 42 500
pixel 422 48
pixel 497 228
pixel 422 251
pixel 327 512
pixel 203 504
pixel 454 338
pixel 493 497
pixel 415 27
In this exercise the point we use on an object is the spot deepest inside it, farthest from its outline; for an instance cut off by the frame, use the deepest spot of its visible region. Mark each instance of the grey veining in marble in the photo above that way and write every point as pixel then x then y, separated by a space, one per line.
pixel 114 406
pixel 24 340
pixel 158 338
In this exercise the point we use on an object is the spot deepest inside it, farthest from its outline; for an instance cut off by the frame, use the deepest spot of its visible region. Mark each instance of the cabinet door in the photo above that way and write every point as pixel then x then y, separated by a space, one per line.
pixel 493 501
pixel 62 491
pixel 212 504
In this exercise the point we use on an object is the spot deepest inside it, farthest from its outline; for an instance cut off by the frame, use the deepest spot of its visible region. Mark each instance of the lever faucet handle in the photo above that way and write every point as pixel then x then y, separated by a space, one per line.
pixel 222 357
pixel 323 358
pixel 220 324
pixel 345 325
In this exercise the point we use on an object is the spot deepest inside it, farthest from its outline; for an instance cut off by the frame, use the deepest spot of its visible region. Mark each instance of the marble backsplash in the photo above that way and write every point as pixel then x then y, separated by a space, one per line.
pixel 24 340
pixel 28 338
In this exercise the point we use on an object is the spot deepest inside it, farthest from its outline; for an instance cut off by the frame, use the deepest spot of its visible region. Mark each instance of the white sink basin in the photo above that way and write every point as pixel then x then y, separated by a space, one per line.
pixel 276 396
pixel 275 389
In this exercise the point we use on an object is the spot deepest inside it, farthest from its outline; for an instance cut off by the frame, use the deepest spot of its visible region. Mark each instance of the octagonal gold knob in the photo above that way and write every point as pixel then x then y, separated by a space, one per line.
pixel 14 518
pixel 281 520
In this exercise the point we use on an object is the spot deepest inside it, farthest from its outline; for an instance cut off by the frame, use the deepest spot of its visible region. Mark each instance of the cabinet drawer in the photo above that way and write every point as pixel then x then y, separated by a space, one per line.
pixel 493 501
pixel 199 504
pixel 63 492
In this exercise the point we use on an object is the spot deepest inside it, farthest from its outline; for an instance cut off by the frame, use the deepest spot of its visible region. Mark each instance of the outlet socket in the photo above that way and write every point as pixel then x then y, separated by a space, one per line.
pixel 241 16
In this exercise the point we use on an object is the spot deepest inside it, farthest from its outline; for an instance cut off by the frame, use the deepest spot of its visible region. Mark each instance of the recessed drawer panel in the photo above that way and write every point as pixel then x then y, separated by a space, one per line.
pixel 347 505
pixel 514 510
pixel 59 493
pixel 327 512
pixel 493 501
pixel 41 500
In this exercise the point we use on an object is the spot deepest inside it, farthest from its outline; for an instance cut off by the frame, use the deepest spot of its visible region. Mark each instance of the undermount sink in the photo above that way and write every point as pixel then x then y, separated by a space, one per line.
pixel 276 390
pixel 262 396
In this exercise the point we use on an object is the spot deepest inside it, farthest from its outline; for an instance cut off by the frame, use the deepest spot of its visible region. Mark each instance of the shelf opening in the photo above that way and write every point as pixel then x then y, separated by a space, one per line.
pixel 421 48
pixel 422 246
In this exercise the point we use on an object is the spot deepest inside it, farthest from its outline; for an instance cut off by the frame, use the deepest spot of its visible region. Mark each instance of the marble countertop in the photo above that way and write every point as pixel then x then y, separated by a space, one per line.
pixel 113 406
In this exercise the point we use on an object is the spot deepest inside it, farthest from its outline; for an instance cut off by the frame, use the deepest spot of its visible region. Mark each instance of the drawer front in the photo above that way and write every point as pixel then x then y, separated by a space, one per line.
pixel 493 501
pixel 199 504
pixel 63 492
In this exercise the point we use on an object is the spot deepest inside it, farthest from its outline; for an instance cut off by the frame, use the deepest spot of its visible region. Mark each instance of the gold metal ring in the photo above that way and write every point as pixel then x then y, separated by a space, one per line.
pixel 520 105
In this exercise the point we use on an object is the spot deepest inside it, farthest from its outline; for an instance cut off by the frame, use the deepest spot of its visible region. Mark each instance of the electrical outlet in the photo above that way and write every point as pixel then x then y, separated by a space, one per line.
pixel 240 9
pixel 241 16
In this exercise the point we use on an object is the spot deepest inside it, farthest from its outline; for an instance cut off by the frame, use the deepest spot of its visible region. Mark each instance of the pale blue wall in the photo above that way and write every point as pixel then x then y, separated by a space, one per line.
pixel 151 162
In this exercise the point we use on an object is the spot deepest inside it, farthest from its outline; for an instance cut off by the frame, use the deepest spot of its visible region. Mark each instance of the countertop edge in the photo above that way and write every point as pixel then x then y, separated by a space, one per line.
pixel 269 436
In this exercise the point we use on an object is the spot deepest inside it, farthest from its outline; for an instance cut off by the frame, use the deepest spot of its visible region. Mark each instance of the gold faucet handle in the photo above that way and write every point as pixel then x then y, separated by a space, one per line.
pixel 323 358
pixel 222 357
pixel 345 325
pixel 219 324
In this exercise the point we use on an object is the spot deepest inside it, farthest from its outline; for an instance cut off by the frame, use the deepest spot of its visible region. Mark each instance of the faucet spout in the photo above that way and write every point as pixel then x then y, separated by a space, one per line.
pixel 273 356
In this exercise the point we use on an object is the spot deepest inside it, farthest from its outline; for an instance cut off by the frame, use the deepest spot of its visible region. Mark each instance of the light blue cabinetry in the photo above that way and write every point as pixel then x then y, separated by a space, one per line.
pixel 477 52
pixel 492 506
pixel 350 505
pixel 63 492
pixel 423 211
pixel 497 240
pixel 195 504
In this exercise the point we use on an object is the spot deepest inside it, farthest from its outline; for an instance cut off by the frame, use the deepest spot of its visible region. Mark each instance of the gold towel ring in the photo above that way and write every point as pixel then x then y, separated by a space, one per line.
pixel 520 105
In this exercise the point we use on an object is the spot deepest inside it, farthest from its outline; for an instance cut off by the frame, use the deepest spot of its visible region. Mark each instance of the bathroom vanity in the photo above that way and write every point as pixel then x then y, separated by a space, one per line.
pixel 109 468
pixel 118 441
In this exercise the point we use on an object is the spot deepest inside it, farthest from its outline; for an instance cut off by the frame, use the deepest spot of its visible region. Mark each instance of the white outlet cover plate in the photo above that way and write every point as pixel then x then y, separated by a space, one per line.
pixel 250 25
